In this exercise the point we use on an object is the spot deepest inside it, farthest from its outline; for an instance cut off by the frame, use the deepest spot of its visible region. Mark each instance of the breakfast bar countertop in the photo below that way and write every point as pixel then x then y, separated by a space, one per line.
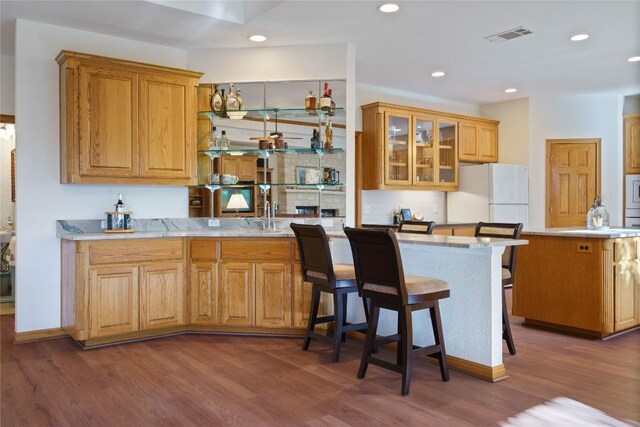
pixel 608 233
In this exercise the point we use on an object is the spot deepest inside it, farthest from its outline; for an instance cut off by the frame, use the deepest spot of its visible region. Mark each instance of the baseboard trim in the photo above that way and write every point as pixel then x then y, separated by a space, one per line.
pixel 492 374
pixel 41 334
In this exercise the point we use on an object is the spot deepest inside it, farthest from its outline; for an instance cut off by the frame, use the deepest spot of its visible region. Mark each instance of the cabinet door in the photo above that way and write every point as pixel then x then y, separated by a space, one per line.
pixel 468 142
pixel 237 288
pixel 627 295
pixel 203 292
pixel 113 300
pixel 167 128
pixel 247 169
pixel 229 165
pixel 398 152
pixel 162 295
pixel 447 158
pixel 107 101
pixel 273 295
pixel 632 144
pixel 424 155
pixel 488 143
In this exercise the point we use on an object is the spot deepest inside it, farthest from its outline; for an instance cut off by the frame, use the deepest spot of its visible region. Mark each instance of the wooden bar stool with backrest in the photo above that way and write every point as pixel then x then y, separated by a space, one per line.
pixel 381 279
pixel 336 279
pixel 505 231
pixel 416 227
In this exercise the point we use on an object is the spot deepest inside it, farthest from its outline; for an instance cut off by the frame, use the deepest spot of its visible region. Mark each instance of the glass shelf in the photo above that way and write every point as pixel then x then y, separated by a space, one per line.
pixel 267 153
pixel 275 113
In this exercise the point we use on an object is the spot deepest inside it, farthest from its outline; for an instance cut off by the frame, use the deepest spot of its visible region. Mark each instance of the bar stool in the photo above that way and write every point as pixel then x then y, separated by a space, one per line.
pixel 336 279
pixel 381 279
pixel 416 227
pixel 505 231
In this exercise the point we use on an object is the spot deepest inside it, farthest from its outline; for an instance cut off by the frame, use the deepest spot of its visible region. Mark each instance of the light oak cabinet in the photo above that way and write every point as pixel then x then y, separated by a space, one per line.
pixel 406 148
pixel 273 295
pixel 244 167
pixel 162 295
pixel 478 141
pixel 124 122
pixel 237 291
pixel 114 301
pixel 632 143
pixel 203 282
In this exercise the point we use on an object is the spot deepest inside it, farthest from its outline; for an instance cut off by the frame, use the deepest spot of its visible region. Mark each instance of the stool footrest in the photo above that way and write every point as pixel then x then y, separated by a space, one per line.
pixel 325 319
pixel 427 351
pixel 383 363
pixel 355 327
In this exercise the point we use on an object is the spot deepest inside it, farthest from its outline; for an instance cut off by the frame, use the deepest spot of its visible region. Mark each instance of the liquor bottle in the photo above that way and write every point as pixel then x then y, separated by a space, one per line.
pixel 314 140
pixel 223 112
pixel 224 141
pixel 310 102
pixel 216 101
pixel 214 139
pixel 328 134
pixel 325 100
pixel 240 101
pixel 119 208
pixel 232 99
pixel 332 105
pixel 120 204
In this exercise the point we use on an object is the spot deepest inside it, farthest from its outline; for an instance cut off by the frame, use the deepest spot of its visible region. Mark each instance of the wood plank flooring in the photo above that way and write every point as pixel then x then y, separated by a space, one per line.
pixel 213 380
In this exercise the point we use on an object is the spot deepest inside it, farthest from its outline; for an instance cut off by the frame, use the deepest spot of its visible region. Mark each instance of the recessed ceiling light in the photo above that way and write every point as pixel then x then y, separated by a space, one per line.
pixel 511 90
pixel 634 59
pixel 257 38
pixel 579 37
pixel 437 74
pixel 389 8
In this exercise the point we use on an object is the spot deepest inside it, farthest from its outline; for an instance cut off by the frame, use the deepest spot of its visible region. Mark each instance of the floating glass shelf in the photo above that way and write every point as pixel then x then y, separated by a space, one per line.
pixel 275 113
pixel 267 153
pixel 319 186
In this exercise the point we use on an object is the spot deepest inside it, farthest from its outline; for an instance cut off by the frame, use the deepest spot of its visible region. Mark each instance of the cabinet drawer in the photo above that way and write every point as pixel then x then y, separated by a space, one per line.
pixel 204 249
pixel 625 250
pixel 131 251
pixel 255 250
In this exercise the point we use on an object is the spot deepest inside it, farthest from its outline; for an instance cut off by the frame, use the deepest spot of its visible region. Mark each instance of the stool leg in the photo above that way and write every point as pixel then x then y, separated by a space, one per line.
pixel 436 323
pixel 344 315
pixel 374 311
pixel 506 328
pixel 406 343
pixel 313 315
pixel 338 308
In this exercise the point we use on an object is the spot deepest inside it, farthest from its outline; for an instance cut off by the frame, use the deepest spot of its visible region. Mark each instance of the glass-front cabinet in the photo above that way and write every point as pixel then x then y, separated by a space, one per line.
pixel 447 156
pixel 424 153
pixel 398 154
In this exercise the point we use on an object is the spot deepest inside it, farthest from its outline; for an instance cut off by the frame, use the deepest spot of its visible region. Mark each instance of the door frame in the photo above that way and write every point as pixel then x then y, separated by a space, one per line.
pixel 548 144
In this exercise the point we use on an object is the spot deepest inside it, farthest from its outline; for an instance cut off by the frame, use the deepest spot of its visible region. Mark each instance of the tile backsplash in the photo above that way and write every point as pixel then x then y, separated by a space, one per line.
pixel 378 205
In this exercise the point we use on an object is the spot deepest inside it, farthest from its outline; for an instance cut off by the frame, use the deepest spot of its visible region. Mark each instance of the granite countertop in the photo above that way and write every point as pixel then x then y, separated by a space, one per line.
pixel 447 241
pixel 437 224
pixel 611 233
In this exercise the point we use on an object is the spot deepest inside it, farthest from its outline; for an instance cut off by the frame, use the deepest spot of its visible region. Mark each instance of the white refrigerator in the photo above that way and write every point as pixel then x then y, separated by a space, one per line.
pixel 492 192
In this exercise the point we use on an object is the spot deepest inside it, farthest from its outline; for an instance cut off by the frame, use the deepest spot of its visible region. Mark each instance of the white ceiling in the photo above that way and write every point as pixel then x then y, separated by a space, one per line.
pixel 397 51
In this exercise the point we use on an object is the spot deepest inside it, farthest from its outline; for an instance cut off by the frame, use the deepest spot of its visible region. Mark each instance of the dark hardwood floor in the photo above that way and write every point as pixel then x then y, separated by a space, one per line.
pixel 212 380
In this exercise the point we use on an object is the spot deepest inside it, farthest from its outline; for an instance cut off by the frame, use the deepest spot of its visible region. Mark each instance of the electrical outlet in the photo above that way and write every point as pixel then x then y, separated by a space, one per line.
pixel 214 222
pixel 366 209
pixel 584 247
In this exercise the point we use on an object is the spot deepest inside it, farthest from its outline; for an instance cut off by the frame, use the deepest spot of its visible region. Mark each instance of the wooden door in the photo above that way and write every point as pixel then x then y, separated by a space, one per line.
pixel 107 101
pixel 273 295
pixel 162 295
pixel 632 143
pixel 203 292
pixel 488 143
pixel 113 300
pixel 573 180
pixel 237 289
pixel 467 142
pixel 167 128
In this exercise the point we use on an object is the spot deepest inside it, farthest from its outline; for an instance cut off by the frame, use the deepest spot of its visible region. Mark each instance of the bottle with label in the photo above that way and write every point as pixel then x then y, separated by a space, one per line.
pixel 214 139
pixel 223 112
pixel 332 106
pixel 314 140
pixel 119 209
pixel 224 141
pixel 216 101
pixel 325 100
pixel 328 135
pixel 232 99
pixel 240 101
pixel 310 102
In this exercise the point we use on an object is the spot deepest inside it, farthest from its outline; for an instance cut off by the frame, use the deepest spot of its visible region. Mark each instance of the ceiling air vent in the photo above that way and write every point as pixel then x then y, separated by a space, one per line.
pixel 508 35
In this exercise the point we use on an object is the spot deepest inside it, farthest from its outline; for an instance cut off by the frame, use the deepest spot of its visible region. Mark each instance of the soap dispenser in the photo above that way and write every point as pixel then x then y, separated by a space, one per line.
pixel 598 217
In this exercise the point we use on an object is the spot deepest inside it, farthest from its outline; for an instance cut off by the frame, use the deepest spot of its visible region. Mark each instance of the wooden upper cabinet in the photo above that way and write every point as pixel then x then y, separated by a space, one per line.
pixel 244 167
pixel 632 143
pixel 124 122
pixel 478 141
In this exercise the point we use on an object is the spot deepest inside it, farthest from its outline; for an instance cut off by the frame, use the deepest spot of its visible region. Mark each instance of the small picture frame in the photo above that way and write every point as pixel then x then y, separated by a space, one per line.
pixel 405 214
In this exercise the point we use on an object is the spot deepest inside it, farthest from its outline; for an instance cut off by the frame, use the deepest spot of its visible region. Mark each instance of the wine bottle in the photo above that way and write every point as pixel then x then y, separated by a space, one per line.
pixel 119 208
pixel 223 111
pixel 232 99
pixel 325 101
pixel 216 101
pixel 314 140
pixel 310 102
pixel 224 141
pixel 120 204
pixel 332 105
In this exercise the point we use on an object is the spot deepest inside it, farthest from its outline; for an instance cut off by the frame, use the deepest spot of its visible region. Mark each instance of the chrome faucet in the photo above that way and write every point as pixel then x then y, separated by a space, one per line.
pixel 274 209
pixel 267 216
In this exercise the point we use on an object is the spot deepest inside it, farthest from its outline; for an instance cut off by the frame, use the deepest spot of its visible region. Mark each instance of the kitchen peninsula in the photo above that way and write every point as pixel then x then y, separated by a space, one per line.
pixel 580 281
pixel 175 276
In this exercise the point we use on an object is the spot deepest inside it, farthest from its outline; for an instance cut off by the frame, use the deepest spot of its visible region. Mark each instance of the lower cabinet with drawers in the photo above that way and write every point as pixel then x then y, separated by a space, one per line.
pixel 118 290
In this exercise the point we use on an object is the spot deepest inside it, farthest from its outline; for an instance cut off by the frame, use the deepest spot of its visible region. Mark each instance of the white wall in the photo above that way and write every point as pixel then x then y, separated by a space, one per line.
pixel 578 116
pixel 631 104
pixel 41 199
pixel 513 131
pixel 7 84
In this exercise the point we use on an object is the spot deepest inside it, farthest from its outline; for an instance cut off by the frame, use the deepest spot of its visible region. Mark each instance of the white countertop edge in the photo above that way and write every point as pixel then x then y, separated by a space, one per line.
pixel 581 232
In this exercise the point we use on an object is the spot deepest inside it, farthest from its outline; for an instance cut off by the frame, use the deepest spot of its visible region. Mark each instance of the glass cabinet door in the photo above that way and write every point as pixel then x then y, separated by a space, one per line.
pixel 423 166
pixel 447 155
pixel 398 155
